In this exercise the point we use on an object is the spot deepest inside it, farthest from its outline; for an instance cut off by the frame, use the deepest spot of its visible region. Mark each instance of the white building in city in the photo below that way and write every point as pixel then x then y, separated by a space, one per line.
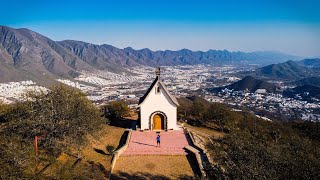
pixel 158 108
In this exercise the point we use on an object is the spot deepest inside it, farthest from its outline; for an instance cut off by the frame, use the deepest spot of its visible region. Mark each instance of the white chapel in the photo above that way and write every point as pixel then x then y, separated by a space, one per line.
pixel 158 108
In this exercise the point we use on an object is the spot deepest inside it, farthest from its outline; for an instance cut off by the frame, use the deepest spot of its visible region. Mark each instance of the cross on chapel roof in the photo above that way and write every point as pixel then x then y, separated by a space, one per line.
pixel 158 82
pixel 158 72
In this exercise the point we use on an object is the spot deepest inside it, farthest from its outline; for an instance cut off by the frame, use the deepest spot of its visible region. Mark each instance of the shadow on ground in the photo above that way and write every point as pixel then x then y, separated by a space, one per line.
pixel 100 151
pixel 194 164
pixel 143 176
pixel 124 123
pixel 123 139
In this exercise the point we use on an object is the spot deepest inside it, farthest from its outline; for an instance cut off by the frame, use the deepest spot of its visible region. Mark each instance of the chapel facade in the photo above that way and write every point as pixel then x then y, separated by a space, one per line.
pixel 158 108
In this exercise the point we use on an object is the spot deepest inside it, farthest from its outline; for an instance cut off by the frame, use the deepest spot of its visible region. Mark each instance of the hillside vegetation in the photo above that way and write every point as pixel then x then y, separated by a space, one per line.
pixel 314 81
pixel 249 83
pixel 62 117
pixel 253 148
pixel 252 84
pixel 307 92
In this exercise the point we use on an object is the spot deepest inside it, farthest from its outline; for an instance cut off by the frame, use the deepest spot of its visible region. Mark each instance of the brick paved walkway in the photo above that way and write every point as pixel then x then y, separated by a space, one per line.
pixel 144 143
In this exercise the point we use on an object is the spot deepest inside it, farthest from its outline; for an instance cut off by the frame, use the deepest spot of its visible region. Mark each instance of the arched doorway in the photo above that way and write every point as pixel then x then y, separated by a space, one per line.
pixel 158 122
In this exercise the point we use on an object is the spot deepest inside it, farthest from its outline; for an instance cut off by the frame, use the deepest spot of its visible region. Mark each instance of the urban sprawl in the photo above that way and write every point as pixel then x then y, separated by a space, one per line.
pixel 103 87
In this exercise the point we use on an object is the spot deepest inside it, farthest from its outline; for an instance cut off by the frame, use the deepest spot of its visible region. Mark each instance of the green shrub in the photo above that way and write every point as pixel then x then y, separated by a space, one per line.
pixel 116 109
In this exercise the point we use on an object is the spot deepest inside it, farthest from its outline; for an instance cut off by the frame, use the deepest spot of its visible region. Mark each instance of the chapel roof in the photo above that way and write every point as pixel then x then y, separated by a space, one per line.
pixel 158 81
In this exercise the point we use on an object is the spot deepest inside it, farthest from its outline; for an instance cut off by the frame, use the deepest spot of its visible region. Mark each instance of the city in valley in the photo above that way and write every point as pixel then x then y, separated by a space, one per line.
pixel 102 87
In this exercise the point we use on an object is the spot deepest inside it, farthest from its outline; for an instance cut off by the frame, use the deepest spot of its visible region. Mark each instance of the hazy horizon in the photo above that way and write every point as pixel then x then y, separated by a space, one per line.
pixel 247 26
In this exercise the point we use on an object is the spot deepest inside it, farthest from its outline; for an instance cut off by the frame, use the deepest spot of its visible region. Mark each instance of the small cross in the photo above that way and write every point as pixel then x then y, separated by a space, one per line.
pixel 158 72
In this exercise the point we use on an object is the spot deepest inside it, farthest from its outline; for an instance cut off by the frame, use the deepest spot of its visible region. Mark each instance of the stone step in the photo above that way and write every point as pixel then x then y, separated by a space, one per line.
pixel 175 152
pixel 155 153
pixel 154 150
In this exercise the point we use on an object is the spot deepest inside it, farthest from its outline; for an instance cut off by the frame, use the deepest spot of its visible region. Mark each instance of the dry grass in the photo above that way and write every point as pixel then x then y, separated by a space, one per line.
pixel 206 132
pixel 132 115
pixel 172 167
pixel 96 163
pixel 108 135
pixel 95 159
pixel 63 163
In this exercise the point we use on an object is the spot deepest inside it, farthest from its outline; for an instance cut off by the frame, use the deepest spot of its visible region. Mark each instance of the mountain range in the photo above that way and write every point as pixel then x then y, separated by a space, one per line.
pixel 27 55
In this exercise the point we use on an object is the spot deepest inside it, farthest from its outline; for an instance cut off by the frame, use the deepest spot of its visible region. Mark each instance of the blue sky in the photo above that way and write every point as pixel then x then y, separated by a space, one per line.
pixel 251 25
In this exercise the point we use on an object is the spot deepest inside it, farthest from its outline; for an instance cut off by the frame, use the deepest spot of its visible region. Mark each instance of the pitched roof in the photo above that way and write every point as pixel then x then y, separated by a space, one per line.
pixel 148 91
pixel 157 80
pixel 174 100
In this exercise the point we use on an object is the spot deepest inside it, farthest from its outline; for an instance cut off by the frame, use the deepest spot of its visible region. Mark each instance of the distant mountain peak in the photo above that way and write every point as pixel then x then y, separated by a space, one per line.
pixel 129 48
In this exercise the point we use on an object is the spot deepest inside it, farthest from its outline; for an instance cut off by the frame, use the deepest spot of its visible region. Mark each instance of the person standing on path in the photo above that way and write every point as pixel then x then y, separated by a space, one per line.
pixel 158 140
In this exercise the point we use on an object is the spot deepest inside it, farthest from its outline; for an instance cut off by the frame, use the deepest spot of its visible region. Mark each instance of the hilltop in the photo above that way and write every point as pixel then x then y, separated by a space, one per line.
pixel 315 81
pixel 310 62
pixel 305 91
pixel 251 84
pixel 76 143
pixel 288 70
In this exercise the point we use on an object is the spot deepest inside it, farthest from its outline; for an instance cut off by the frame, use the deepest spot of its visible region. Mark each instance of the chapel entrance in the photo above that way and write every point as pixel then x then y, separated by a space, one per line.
pixel 158 122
